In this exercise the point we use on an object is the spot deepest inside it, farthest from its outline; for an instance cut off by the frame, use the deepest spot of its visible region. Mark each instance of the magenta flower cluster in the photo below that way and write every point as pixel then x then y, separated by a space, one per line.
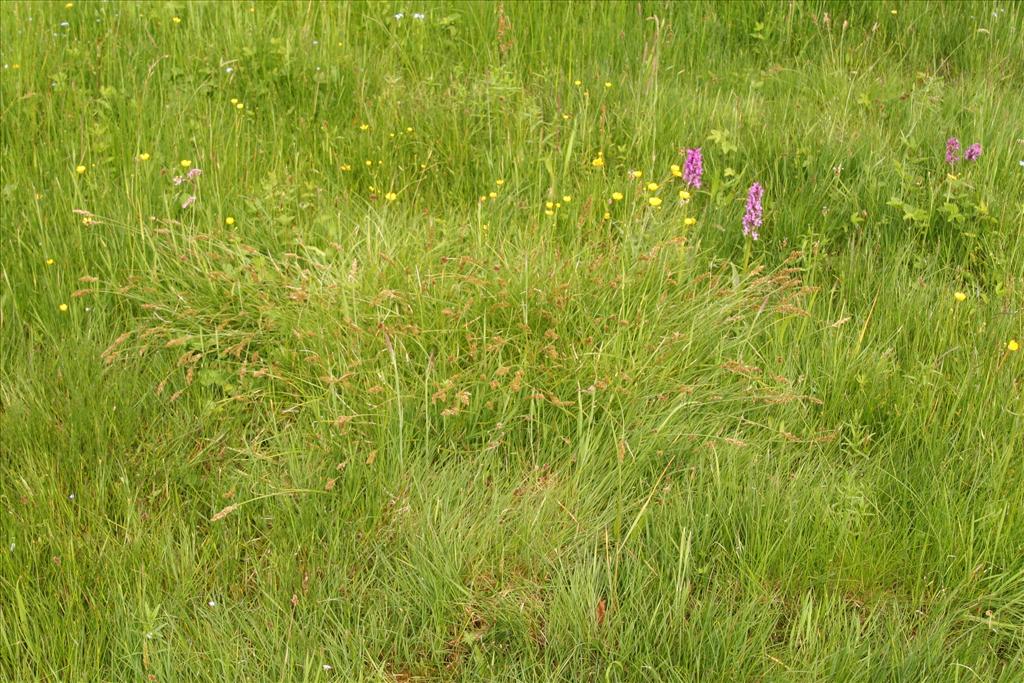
pixel 694 168
pixel 753 216
pixel 953 151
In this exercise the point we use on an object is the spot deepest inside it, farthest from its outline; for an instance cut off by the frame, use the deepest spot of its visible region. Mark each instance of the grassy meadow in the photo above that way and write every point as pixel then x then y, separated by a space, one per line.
pixel 389 342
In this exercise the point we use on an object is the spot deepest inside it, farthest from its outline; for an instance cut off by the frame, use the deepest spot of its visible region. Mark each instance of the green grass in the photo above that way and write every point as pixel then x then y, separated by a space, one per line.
pixel 449 437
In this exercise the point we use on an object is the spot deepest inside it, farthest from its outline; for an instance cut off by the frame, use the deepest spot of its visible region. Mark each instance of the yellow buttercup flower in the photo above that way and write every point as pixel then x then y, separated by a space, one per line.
pixel 176 20
pixel 50 261
pixel 185 163
pixel 391 196
pixel 652 186
pixel 144 156
pixel 549 212
pixel 636 174
pixel 364 126
pixel 346 167
pixel 80 169
pixel 230 220
pixel 616 196
pixel 566 117
pixel 369 162
pixel 607 84
pixel 408 129
pixel 607 215
pixel 689 220
pixel 684 196
pixel 654 201
pixel 598 162
pixel 959 296
pixel 63 308
pixel 234 100
pixel 729 172
pixel 676 171
pixel 549 205
pixel 499 182
pixel 1012 345
pixel 239 106
pixel 492 195
pixel 577 82
pixel 567 198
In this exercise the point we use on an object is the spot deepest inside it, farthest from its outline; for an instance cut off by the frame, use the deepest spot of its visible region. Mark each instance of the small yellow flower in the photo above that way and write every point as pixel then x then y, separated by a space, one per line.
pixel 607 84
pixel 176 20
pixel 392 135
pixel 676 171
pixel 1012 345
pixel 63 308
pixel 950 177
pixel 652 186
pixel 69 5
pixel 499 182
pixel 893 12
pixel 616 196
pixel 408 130
pixel 239 106
pixel 185 163
pixel 346 167
pixel 567 198
pixel 598 162
pixel 230 220
pixel 558 205
pixel 144 156
pixel 369 162
pixel 364 126
pixel 959 296
pixel 492 195
pixel 549 212
pixel 689 220
pixel 234 100
pixel 684 196
pixel 482 198
pixel 549 205
pixel 636 174
pixel 654 201
pixel 50 261
pixel 391 196
pixel 577 82
pixel 566 117
pixel 607 215
pixel 80 169
pixel 729 172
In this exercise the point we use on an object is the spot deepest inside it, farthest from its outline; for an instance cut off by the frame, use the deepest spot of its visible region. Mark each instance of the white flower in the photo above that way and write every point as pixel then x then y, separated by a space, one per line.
pixel 419 16
pixel 212 603
pixel 399 16
pixel 327 667
pixel 229 69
